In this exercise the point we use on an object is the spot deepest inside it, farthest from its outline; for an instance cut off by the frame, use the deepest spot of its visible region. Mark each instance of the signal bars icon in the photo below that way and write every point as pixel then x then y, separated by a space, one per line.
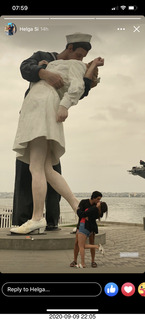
pixel 115 8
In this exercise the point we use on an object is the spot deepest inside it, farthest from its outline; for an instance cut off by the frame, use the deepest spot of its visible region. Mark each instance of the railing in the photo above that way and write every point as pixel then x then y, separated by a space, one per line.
pixel 5 218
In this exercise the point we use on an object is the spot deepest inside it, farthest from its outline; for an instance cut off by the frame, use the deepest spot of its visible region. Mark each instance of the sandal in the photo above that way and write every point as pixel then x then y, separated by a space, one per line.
pixel 73 264
pixel 94 265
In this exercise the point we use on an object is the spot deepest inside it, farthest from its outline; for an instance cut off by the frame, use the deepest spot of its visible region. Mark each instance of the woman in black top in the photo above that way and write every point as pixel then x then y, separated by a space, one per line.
pixel 87 226
pixel 83 205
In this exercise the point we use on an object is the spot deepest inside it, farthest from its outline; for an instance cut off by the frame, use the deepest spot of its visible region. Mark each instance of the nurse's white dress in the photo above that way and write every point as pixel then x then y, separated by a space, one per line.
pixel 38 113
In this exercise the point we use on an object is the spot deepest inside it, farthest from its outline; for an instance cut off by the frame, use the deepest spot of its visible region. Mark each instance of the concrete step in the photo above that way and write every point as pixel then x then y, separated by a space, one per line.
pixel 50 240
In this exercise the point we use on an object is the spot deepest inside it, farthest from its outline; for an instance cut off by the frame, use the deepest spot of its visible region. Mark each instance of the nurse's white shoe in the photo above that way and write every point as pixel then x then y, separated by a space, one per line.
pixel 29 226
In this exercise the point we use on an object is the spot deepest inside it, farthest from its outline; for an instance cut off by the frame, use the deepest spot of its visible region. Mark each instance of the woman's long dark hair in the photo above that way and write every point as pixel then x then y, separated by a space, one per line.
pixel 104 209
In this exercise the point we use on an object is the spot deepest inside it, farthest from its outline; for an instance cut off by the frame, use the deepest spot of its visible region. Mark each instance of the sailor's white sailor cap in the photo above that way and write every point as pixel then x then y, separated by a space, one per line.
pixel 78 37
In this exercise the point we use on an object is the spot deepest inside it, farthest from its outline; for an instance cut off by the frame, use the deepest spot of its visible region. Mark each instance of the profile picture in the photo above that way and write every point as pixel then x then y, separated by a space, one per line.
pixel 10 29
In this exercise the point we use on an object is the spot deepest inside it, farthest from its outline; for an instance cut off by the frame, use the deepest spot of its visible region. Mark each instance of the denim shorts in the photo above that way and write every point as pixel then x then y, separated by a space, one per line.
pixel 83 230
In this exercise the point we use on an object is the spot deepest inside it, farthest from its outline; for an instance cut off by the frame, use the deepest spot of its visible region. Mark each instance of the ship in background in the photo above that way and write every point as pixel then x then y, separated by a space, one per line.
pixel 138 171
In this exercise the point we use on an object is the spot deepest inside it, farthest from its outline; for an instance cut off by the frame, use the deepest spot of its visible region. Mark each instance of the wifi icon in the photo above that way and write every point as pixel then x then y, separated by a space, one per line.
pixel 123 7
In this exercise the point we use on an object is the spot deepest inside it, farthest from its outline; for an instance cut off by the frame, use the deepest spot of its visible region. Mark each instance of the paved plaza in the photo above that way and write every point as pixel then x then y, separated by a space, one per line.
pixel 124 252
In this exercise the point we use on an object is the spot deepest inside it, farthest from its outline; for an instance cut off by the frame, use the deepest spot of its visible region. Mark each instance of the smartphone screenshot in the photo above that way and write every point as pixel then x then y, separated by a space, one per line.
pixel 72 188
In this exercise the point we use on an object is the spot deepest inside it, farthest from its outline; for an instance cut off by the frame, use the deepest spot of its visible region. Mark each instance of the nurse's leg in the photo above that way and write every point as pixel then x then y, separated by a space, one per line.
pixel 57 181
pixel 38 152
pixel 52 204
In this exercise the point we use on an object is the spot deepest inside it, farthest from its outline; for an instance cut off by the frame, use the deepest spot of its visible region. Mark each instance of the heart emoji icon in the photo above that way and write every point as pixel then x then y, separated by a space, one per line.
pixel 128 289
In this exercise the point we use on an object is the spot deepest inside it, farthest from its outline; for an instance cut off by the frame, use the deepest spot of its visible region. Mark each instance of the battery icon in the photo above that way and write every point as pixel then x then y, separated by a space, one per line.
pixel 132 7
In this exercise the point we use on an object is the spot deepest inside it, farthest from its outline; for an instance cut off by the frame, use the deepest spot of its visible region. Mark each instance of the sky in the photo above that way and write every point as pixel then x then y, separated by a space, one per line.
pixel 105 132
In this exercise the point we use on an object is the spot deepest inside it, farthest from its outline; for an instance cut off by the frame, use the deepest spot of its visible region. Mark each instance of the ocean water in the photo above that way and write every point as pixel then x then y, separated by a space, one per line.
pixel 120 209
